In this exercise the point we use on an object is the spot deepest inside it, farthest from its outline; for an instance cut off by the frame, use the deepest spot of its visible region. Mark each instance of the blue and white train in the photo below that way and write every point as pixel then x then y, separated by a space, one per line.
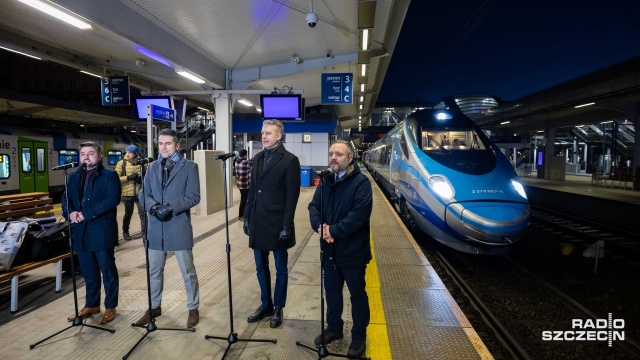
pixel 449 180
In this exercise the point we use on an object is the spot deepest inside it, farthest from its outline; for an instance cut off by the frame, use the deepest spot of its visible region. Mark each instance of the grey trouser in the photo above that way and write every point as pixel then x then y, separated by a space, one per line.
pixel 157 260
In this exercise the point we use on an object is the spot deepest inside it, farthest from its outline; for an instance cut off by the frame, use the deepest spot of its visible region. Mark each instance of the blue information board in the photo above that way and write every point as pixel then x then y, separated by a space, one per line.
pixel 337 88
pixel 115 90
pixel 161 113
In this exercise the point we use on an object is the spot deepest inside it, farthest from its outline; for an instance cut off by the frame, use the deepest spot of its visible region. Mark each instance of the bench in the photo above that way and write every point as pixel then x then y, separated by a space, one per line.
pixel 32 205
pixel 15 272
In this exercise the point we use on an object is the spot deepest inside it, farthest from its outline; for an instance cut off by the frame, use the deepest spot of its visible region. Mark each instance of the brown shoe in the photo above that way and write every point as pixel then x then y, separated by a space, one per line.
pixel 144 320
pixel 108 316
pixel 194 318
pixel 85 313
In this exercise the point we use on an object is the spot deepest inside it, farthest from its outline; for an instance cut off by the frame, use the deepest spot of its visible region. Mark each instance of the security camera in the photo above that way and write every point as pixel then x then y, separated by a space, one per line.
pixel 312 19
pixel 295 59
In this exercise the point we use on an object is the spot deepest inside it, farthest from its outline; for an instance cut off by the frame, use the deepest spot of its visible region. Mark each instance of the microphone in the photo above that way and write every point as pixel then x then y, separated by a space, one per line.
pixel 142 161
pixel 228 155
pixel 324 173
pixel 66 166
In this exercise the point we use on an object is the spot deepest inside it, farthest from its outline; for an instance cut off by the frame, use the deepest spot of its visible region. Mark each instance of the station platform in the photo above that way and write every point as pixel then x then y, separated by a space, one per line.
pixel 584 185
pixel 413 316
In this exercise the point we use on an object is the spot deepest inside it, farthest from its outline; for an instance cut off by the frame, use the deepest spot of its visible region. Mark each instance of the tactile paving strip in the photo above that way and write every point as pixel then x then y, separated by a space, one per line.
pixel 432 342
pixel 409 276
pixel 418 307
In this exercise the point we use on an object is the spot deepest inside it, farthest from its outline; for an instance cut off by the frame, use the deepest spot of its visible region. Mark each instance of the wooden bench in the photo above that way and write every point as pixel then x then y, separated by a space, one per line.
pixel 15 272
pixel 31 205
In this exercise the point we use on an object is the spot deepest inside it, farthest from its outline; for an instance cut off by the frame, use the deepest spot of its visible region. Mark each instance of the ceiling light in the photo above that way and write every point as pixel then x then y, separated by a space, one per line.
pixel 134 131
pixel 361 87
pixel 189 75
pixel 361 98
pixel 201 108
pixel 245 102
pixel 55 11
pixel 505 122
pixel 88 73
pixel 21 53
pixel 363 69
pixel 153 55
pixel 583 105
pixel 365 38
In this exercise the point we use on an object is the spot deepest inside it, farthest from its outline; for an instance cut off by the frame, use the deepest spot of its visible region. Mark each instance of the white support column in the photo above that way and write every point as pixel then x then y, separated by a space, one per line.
pixel 224 135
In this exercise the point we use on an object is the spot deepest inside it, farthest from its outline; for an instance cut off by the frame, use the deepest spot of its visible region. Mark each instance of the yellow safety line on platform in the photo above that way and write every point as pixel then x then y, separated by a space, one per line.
pixel 378 347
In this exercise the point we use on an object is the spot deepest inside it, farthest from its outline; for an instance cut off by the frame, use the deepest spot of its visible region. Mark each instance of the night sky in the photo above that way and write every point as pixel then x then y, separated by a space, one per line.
pixel 506 48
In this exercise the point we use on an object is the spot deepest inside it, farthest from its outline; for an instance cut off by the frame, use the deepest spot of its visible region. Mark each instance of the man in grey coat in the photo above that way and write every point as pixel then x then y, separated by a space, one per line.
pixel 171 189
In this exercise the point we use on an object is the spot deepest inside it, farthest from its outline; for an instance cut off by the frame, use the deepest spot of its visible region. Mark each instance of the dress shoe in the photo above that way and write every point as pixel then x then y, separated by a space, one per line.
pixel 108 316
pixel 261 313
pixel 276 318
pixel 329 337
pixel 356 349
pixel 85 313
pixel 194 318
pixel 144 320
pixel 125 235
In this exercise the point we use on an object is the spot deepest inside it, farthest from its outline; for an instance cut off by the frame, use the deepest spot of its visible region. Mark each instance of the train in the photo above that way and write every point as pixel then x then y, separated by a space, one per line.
pixel 446 177
pixel 27 157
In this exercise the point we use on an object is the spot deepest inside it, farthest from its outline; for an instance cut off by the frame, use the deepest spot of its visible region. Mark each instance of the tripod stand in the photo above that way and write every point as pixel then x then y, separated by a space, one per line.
pixel 233 336
pixel 77 321
pixel 321 349
pixel 151 326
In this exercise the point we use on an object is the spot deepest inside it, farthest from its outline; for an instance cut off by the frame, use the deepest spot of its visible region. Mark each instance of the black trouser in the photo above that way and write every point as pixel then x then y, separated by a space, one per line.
pixel 243 201
pixel 128 202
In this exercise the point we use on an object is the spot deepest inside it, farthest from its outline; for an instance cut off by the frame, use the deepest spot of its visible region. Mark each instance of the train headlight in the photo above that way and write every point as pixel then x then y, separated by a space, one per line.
pixel 441 186
pixel 519 188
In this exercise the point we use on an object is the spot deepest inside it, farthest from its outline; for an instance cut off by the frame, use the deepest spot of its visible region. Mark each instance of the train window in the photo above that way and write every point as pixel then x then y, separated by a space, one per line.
pixel 403 145
pixel 41 162
pixel 113 156
pixel 5 168
pixel 452 140
pixel 66 156
pixel 26 160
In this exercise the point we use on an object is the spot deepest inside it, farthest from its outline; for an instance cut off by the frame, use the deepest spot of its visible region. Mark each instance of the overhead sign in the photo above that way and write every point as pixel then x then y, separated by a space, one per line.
pixel 161 113
pixel 115 90
pixel 337 88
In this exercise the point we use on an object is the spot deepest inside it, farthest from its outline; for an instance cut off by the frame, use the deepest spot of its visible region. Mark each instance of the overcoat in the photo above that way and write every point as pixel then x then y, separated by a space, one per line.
pixel 182 192
pixel 273 196
pixel 99 206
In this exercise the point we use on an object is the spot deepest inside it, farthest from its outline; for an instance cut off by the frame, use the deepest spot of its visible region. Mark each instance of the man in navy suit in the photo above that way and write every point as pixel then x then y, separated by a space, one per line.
pixel 94 194
pixel 268 218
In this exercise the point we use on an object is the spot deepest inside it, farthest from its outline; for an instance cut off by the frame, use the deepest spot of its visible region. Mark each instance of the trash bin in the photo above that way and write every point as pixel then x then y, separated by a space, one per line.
pixel 305 176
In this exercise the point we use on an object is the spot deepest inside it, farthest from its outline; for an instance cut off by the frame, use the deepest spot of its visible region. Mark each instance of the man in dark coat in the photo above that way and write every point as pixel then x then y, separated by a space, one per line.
pixel 344 224
pixel 94 194
pixel 171 189
pixel 268 218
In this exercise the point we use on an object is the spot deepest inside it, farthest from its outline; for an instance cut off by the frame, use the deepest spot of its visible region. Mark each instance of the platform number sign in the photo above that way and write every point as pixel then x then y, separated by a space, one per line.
pixel 115 90
pixel 337 88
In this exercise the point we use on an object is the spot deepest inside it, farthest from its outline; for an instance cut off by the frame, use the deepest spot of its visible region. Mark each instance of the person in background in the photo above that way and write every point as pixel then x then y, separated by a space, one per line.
pixel 94 194
pixel 268 218
pixel 243 180
pixel 344 224
pixel 171 189
pixel 131 181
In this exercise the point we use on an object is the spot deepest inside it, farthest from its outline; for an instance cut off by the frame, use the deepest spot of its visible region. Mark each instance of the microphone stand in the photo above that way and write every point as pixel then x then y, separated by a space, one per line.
pixel 77 321
pixel 151 326
pixel 232 338
pixel 322 348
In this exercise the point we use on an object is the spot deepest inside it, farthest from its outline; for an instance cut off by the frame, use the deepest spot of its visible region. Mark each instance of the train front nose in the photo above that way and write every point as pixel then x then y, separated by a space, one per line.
pixel 489 222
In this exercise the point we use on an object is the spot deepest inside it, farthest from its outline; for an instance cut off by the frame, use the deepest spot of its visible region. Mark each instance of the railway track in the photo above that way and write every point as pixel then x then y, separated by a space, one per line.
pixel 519 306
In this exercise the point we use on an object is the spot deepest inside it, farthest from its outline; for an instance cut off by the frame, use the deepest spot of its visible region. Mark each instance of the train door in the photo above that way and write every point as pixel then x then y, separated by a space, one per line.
pixel 33 165
pixel 394 164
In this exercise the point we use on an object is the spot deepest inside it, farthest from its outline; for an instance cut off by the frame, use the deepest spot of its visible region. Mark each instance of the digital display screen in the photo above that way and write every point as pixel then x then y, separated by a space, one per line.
pixel 142 102
pixel 281 107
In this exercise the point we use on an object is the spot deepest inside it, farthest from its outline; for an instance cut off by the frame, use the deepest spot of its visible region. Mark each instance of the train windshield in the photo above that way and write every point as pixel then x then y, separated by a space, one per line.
pixel 459 140
pixel 461 150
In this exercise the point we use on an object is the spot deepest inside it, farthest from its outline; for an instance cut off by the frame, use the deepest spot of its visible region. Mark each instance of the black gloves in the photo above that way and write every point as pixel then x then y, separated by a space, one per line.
pixel 285 234
pixel 245 227
pixel 133 176
pixel 161 212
